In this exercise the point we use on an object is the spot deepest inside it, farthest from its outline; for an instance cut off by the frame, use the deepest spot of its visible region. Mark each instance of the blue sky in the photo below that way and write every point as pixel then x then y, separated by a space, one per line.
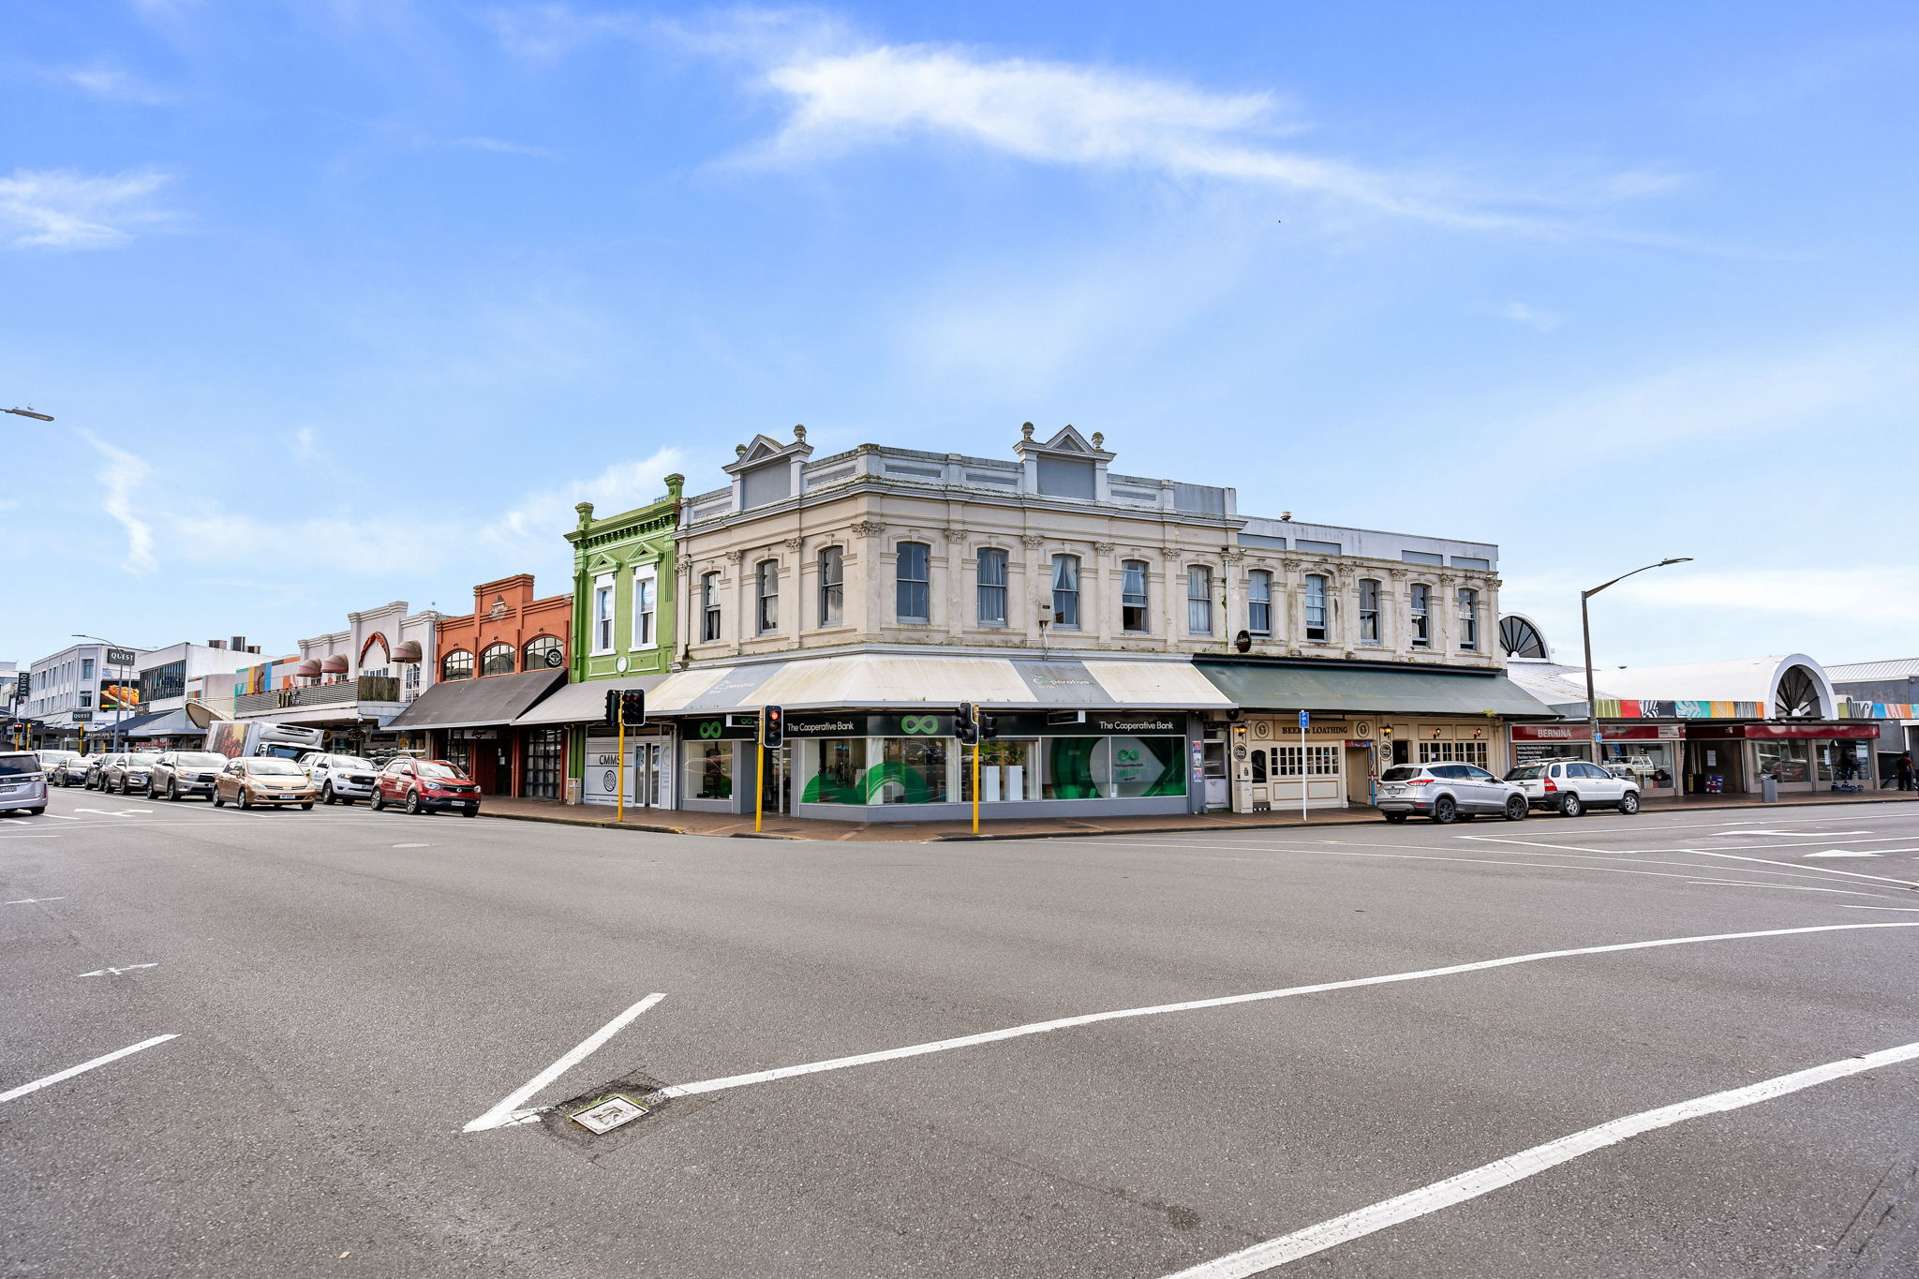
pixel 346 302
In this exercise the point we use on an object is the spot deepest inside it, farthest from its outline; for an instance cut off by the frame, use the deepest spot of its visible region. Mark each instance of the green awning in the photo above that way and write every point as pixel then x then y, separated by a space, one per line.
pixel 1272 686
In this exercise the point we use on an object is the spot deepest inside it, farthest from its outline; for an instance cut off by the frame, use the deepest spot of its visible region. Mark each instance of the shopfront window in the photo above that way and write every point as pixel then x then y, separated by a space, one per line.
pixel 880 770
pixel 1843 762
pixel 1650 764
pixel 1474 753
pixel 706 770
pixel 1008 770
pixel 1314 761
pixel 1784 762
pixel 1147 766
pixel 841 774
pixel 545 752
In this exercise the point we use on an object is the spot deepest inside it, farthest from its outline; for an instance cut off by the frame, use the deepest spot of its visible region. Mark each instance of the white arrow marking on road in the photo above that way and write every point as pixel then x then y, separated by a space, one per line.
pixel 1487 1178
pixel 28 901
pixel 509 1112
pixel 83 1067
pixel 1841 852
pixel 58 818
pixel 1800 834
pixel 115 972
pixel 1767 861
pixel 118 812
pixel 413 845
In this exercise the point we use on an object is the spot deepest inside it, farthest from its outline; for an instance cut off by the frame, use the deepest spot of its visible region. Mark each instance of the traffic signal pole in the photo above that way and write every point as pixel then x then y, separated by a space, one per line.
pixel 619 773
pixel 976 788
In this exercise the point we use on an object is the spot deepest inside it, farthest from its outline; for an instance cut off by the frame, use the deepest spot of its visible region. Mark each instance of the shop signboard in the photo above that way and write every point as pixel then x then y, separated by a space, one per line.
pixel 119 657
pixel 1096 724
pixel 907 724
pixel 716 728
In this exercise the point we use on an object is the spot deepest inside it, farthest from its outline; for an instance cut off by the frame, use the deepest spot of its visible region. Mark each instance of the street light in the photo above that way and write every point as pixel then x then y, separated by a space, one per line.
pixel 120 693
pixel 1585 629
pixel 29 412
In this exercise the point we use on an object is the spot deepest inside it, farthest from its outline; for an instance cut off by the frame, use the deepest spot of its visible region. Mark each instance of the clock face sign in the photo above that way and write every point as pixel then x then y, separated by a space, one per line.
pixel 608 781
pixel 553 657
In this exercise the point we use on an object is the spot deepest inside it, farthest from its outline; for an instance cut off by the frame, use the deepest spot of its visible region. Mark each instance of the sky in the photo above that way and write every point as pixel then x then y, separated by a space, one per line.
pixel 343 302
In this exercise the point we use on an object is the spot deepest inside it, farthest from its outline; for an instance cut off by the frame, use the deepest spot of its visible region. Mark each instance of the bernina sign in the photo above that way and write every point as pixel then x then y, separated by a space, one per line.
pixel 1552 732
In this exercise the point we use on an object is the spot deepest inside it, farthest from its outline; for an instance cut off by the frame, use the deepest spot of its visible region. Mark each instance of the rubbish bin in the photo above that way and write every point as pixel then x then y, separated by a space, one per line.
pixel 1769 790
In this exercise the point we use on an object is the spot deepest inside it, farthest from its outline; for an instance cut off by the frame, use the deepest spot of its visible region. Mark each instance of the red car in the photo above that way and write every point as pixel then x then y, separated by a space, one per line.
pixel 426 786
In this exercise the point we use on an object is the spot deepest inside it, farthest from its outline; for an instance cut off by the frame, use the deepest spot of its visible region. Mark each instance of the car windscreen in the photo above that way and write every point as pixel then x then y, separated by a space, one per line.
pixel 200 759
pixel 1399 773
pixel 352 761
pixel 442 770
pixel 274 767
pixel 144 757
pixel 18 765
pixel 1525 772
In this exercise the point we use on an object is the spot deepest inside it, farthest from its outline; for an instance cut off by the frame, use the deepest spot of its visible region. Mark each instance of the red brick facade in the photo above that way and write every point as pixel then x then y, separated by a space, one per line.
pixel 507 618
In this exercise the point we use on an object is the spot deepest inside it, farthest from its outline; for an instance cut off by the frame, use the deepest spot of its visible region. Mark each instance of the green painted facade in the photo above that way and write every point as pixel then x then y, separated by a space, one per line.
pixel 622 552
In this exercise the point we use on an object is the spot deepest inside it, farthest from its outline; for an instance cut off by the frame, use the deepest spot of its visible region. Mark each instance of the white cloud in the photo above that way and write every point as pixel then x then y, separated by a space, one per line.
pixel 1857 593
pixel 121 482
pixel 500 146
pixel 60 209
pixel 1532 317
pixel 303 444
pixel 548 32
pixel 111 83
pixel 621 486
pixel 1837 387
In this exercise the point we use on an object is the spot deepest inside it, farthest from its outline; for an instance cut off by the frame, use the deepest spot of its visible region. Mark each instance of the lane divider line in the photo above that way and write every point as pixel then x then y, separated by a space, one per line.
pixel 508 1111
pixel 83 1067
pixel 1485 1179
pixel 1222 1001
pixel 1824 870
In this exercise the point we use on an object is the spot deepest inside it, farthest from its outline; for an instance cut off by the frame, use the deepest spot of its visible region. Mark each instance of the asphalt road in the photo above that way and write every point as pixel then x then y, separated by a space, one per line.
pixel 350 992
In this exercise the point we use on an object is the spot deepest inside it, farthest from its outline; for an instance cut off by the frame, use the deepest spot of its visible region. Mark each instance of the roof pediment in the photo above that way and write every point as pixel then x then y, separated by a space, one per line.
pixel 762 450
pixel 1065 442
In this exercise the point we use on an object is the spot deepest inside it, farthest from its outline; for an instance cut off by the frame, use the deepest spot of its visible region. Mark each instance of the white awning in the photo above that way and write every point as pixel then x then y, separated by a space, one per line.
pixel 585 702
pixel 1158 685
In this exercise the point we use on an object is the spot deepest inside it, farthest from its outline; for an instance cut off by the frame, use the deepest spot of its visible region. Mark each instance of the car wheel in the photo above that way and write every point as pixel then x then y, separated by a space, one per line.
pixel 1629 803
pixel 471 812
pixel 173 791
pixel 1395 818
pixel 246 800
pixel 1515 809
pixel 326 793
pixel 35 812
pixel 378 802
pixel 413 803
pixel 307 807
pixel 219 800
pixel 1571 807
pixel 1445 810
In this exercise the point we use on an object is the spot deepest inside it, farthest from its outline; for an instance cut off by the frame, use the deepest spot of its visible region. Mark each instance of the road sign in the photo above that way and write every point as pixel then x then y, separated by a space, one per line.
pixel 1305 719
pixel 119 657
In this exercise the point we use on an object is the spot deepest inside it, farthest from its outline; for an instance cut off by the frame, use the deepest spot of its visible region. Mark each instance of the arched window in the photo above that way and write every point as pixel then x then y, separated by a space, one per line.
pixel 1520 638
pixel 543 652
pixel 496 659
pixel 1259 768
pixel 1797 696
pixel 457 665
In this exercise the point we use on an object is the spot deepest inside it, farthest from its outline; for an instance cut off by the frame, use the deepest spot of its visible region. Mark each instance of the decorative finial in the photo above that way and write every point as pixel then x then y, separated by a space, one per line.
pixel 674 484
pixel 586 512
pixel 1026 430
pixel 799 433
pixel 1099 441
pixel 739 450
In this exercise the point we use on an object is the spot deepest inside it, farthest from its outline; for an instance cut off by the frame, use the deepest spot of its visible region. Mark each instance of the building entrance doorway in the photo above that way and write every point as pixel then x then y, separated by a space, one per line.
pixel 774 793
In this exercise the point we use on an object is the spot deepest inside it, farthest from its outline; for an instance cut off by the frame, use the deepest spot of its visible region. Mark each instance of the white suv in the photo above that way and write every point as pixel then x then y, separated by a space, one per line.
pixel 341 778
pixel 1572 786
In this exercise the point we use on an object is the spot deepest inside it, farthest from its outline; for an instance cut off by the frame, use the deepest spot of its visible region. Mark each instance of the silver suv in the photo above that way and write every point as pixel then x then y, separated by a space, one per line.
pixel 341 778
pixel 1444 792
pixel 1572 786
pixel 23 783
pixel 177 774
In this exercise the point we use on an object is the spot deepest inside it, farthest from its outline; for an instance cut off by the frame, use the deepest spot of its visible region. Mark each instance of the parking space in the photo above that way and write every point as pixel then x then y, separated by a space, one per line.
pixel 1115 1056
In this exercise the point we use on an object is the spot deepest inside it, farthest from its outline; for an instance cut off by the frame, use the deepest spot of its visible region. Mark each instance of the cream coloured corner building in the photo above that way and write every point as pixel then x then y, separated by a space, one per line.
pixel 1140 644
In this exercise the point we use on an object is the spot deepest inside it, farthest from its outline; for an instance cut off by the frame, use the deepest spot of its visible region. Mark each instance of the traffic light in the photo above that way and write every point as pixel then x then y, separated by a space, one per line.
pixel 633 707
pixel 966 724
pixel 988 727
pixel 772 726
pixel 612 708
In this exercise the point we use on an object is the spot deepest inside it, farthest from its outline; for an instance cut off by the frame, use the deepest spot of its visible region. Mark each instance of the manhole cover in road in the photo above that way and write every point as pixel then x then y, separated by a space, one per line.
pixel 608 1115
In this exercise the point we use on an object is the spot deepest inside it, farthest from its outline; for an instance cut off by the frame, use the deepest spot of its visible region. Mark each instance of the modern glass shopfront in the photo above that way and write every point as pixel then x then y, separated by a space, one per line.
pixel 884 766
pixel 1798 758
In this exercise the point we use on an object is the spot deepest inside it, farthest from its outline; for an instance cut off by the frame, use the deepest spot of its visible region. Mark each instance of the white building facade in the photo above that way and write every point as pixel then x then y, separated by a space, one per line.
pixel 350 682
pixel 75 694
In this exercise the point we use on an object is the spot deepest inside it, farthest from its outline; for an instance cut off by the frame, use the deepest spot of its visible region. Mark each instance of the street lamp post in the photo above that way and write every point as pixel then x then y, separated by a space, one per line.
pixel 1585 632
pixel 29 411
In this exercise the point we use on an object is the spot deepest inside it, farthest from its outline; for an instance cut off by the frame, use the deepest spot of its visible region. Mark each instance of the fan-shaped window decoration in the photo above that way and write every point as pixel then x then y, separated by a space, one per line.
pixel 457 665
pixel 1520 638
pixel 544 652
pixel 1797 695
pixel 496 659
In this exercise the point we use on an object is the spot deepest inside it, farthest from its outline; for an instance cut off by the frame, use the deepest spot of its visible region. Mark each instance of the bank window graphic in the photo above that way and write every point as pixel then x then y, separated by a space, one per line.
pixel 869 771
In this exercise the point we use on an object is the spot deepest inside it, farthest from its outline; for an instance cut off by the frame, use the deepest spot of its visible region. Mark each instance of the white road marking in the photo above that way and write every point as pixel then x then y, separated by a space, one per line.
pixel 1221 1001
pixel 1569 848
pixel 1802 834
pixel 1914 910
pixel 509 1112
pixel 413 845
pixel 115 972
pixel 83 1067
pixel 28 901
pixel 58 818
pixel 1790 888
pixel 1842 852
pixel 1826 870
pixel 118 812
pixel 1487 1178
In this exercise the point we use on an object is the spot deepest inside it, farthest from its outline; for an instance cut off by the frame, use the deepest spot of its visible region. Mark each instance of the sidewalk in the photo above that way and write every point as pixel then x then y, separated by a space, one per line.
pixel 671 822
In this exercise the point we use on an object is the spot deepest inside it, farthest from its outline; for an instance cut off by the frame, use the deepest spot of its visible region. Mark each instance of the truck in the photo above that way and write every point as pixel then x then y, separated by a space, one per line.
pixel 235 738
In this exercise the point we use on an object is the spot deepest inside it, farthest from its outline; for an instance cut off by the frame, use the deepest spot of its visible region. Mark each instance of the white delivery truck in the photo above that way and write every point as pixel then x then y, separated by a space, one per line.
pixel 235 738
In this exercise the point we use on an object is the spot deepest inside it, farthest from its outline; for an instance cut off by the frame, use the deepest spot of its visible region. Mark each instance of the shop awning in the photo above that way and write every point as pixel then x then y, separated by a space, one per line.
pixel 1372 690
pixel 165 724
pixel 476 703
pixel 881 681
pixel 585 703
pixel 103 726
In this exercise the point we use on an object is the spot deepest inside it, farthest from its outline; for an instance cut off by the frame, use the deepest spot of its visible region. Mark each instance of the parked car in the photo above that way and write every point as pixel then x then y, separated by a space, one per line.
pixel 263 779
pixel 178 774
pixel 70 772
pixel 341 778
pixel 97 771
pixel 129 772
pixel 1572 786
pixel 426 786
pixel 52 759
pixel 23 783
pixel 1446 791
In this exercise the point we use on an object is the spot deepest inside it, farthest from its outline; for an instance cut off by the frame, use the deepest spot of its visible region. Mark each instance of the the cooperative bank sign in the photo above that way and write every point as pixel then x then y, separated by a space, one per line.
pixel 907 725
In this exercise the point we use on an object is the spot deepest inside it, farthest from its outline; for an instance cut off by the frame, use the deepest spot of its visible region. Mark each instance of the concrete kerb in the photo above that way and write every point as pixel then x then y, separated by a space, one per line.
pixel 1201 826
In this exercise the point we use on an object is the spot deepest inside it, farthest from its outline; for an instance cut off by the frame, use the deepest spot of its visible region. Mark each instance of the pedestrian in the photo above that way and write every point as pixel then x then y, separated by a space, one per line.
pixel 1905 771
